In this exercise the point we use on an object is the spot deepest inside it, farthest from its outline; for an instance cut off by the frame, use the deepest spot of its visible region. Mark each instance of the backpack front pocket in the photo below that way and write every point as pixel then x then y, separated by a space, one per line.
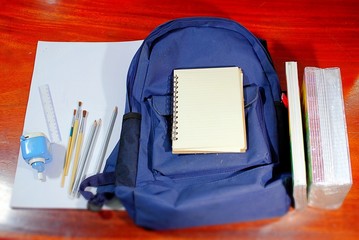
pixel 163 162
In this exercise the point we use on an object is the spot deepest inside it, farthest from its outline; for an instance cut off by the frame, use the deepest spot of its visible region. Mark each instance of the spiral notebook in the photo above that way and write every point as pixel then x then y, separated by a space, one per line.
pixel 208 111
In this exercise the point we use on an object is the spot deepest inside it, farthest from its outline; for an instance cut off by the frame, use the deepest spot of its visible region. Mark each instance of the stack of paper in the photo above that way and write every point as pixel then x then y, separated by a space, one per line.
pixel 329 169
pixel 296 137
pixel 94 73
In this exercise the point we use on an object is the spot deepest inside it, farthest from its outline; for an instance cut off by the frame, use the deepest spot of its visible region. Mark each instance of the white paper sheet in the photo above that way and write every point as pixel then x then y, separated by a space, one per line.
pixel 94 73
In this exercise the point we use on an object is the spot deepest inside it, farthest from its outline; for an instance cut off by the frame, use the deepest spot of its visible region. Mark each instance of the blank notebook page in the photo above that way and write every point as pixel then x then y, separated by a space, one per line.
pixel 208 111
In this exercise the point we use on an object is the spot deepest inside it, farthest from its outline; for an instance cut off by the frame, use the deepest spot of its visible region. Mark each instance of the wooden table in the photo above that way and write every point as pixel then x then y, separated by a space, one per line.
pixel 314 33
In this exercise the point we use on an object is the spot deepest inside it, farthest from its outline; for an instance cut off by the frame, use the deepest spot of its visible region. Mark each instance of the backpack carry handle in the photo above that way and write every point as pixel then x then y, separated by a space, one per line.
pixel 136 78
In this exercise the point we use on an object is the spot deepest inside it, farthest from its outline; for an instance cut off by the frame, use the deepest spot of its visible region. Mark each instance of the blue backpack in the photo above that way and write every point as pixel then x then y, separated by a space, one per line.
pixel 161 190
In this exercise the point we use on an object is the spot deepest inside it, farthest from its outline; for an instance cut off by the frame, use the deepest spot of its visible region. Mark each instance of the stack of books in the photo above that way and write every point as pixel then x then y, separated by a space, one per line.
pixel 328 159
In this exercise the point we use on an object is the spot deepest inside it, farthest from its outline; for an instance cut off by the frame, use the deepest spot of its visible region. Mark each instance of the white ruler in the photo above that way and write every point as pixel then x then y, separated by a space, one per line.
pixel 49 112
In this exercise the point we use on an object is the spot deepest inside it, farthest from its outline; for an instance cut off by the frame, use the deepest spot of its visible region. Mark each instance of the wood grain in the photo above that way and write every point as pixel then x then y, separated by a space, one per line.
pixel 314 33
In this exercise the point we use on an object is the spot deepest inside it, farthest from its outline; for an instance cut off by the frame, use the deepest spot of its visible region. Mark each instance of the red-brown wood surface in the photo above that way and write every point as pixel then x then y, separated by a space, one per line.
pixel 314 33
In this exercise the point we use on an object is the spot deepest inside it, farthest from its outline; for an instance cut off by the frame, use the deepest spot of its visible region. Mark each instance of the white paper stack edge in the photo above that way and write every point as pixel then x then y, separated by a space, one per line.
pixel 296 136
pixel 328 159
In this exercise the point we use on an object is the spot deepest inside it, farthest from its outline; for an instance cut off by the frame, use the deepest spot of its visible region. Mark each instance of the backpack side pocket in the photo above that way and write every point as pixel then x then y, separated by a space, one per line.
pixel 127 161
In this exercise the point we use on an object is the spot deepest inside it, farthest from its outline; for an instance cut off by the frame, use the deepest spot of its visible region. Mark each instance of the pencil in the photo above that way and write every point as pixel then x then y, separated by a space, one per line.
pixel 68 148
pixel 74 137
pixel 85 159
pixel 107 140
pixel 78 150
pixel 84 156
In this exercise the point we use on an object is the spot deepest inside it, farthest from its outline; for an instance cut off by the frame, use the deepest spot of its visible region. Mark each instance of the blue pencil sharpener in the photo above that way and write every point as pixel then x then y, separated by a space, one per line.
pixel 35 151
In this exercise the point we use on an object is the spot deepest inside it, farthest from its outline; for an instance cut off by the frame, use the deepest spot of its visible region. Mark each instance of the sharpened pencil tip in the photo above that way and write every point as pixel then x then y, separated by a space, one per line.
pixel 84 112
pixel 80 103
pixel 74 111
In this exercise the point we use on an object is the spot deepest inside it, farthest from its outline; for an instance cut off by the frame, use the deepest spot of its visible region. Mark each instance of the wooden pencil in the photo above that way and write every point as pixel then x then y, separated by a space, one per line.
pixel 107 140
pixel 78 151
pixel 74 137
pixel 85 157
pixel 72 143
pixel 68 149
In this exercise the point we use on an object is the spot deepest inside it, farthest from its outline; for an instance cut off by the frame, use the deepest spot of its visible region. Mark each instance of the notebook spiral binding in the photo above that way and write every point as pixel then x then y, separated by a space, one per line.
pixel 175 108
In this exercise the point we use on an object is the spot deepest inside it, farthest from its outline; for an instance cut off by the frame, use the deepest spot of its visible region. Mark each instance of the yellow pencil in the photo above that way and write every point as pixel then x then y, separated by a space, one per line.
pixel 78 151
pixel 68 149
pixel 72 144
pixel 74 137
